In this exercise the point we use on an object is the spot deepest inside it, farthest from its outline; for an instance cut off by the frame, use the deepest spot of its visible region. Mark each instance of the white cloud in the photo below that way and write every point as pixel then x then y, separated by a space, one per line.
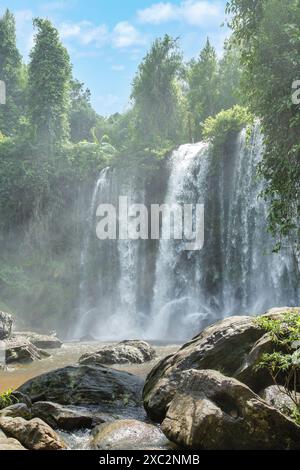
pixel 198 12
pixel 158 13
pixel 126 35
pixel 193 12
pixel 86 33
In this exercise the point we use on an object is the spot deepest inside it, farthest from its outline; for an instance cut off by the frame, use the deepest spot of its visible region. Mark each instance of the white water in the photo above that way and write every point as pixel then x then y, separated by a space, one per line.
pixel 235 272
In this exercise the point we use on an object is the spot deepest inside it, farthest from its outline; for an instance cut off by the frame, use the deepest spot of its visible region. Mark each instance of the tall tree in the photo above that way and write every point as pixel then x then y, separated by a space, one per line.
pixel 156 92
pixel 229 77
pixel 268 32
pixel 49 85
pixel 82 116
pixel 202 78
pixel 10 73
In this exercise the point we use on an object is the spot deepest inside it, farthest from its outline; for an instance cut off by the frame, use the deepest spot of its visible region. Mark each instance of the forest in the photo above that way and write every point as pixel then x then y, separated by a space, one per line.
pixel 52 141
pixel 90 327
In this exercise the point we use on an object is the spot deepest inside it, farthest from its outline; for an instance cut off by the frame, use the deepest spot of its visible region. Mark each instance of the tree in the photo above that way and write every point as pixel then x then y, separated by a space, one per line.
pixel 11 74
pixel 202 79
pixel 82 116
pixel 156 93
pixel 49 85
pixel 229 77
pixel 268 33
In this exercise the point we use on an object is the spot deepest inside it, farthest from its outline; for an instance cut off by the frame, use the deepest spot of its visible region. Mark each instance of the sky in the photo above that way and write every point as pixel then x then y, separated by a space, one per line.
pixel 107 39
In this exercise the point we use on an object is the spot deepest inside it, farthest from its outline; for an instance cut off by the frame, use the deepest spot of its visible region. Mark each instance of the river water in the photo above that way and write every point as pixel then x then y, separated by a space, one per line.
pixel 69 353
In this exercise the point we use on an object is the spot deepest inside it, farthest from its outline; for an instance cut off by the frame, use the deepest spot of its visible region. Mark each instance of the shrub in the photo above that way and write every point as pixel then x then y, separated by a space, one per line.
pixel 219 128
pixel 7 398
pixel 283 363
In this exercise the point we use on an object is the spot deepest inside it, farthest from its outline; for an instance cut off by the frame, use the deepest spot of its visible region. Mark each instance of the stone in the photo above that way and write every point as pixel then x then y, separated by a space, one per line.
pixel 129 434
pixel 19 349
pixel 6 323
pixel 70 417
pixel 81 384
pixel 275 395
pixel 213 412
pixel 126 352
pixel 223 346
pixel 8 443
pixel 33 434
pixel 19 410
pixel 39 340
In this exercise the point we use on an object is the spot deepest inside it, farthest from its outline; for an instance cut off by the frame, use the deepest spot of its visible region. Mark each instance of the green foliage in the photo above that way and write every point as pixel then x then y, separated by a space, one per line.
pixel 12 73
pixel 229 77
pixel 212 85
pixel 7 398
pixel 268 33
pixel 49 84
pixel 202 79
pixel 218 129
pixel 283 363
pixel 156 94
pixel 83 118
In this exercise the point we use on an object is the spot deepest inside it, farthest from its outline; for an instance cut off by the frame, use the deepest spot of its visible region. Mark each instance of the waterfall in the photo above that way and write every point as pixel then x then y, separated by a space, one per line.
pixel 158 289
pixel 100 186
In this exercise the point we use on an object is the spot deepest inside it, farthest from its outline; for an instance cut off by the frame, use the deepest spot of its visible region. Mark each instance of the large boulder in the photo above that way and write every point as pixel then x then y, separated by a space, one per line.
pixel 20 349
pixel 69 417
pixel 214 412
pixel 39 340
pixel 18 410
pixel 129 434
pixel 277 312
pixel 107 388
pixel 6 323
pixel 33 434
pixel 257 379
pixel 223 346
pixel 126 352
pixel 280 398
pixel 8 443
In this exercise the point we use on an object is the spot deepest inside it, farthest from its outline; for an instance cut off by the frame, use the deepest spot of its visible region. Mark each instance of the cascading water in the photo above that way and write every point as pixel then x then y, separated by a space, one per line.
pixel 100 187
pixel 178 304
pixel 158 289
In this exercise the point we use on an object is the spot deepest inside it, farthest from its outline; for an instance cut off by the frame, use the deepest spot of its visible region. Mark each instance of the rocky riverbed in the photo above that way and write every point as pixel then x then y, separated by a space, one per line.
pixel 206 394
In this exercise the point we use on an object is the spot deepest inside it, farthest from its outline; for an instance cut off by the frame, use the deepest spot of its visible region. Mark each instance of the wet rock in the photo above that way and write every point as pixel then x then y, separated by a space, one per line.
pixel 19 349
pixel 19 410
pixel 223 346
pixel 22 398
pixel 129 434
pixel 212 411
pixel 69 417
pixel 81 384
pixel 6 323
pixel 41 341
pixel 126 352
pixel 277 396
pixel 33 434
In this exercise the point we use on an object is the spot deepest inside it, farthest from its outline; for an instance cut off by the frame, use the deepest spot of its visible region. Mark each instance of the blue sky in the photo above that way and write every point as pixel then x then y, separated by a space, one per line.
pixel 107 39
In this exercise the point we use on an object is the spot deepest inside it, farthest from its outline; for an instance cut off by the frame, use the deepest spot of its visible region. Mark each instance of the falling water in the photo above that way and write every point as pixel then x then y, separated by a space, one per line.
pixel 100 186
pixel 182 291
